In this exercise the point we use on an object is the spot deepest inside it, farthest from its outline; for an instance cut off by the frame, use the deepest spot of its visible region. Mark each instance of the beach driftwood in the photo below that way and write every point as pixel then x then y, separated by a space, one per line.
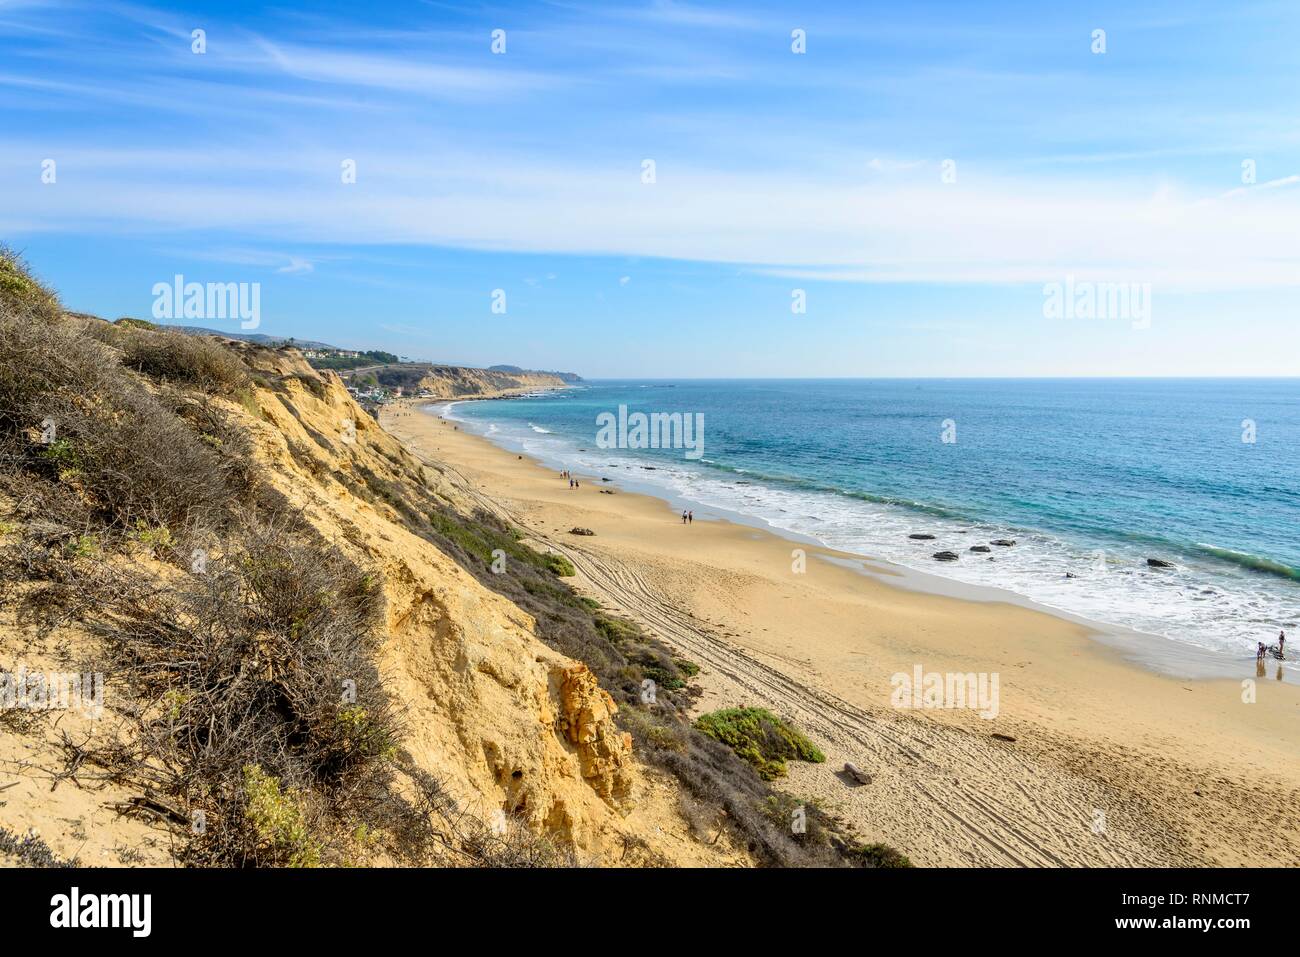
pixel 856 773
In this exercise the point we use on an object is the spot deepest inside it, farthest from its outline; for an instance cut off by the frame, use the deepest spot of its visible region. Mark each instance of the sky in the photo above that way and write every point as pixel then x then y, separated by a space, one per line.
pixel 664 189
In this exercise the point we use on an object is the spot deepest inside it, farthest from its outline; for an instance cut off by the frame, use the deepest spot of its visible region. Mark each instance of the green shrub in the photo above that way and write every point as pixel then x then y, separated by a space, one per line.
pixel 277 819
pixel 558 565
pixel 760 737
pixel 157 539
pixel 877 855
pixel 19 288
pixel 126 322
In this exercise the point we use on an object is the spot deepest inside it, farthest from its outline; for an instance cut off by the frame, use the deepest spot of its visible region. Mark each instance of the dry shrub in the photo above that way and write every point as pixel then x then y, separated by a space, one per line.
pixel 72 415
pixel 435 818
pixel 197 361
pixel 251 674
pixel 263 661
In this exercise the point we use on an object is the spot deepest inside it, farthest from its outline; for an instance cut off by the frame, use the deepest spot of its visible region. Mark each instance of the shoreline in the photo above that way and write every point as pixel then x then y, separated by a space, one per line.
pixel 1183 771
pixel 1155 652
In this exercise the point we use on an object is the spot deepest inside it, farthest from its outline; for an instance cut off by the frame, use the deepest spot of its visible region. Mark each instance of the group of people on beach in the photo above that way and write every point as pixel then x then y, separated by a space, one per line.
pixel 1278 650
pixel 688 516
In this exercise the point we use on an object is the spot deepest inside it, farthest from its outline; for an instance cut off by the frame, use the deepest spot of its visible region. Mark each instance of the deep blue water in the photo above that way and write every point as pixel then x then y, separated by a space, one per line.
pixel 1090 477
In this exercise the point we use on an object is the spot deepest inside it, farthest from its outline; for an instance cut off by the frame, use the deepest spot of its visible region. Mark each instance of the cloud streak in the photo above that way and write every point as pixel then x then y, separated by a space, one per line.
pixel 540 150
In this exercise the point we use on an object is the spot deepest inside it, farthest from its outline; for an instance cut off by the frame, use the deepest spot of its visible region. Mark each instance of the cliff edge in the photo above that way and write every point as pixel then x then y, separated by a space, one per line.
pixel 283 664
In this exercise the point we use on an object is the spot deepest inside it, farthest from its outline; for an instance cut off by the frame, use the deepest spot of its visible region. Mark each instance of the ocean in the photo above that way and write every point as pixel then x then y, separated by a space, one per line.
pixel 1089 477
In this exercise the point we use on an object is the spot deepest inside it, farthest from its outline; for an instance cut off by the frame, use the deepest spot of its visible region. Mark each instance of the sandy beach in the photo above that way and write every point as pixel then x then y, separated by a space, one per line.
pixel 1090 760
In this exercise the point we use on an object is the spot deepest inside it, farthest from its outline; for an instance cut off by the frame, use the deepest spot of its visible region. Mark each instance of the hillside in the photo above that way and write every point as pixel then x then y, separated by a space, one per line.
pixel 314 648
pixel 455 382
pixel 257 337
pixel 569 377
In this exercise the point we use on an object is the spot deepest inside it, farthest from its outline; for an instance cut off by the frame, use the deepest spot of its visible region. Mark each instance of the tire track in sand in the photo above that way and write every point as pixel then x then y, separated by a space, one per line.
pixel 934 787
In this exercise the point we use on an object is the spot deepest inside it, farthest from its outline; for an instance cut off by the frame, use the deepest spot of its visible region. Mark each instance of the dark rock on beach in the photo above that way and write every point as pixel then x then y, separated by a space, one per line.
pixel 1159 563
pixel 576 530
pixel 980 548
pixel 921 537
pixel 856 774
pixel 945 556
pixel 1004 542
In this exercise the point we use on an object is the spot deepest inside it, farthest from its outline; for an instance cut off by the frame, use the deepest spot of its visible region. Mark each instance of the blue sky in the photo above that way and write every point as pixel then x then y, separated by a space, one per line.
pixel 775 171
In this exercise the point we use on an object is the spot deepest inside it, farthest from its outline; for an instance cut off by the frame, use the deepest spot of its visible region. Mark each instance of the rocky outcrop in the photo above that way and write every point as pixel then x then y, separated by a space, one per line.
pixel 587 722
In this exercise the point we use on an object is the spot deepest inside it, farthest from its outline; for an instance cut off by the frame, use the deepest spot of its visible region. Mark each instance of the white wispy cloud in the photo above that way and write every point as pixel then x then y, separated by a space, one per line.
pixel 541 152
pixel 979 230
pixel 405 72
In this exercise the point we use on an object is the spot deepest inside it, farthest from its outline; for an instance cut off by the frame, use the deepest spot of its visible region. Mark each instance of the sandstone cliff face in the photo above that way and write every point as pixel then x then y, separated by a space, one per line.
pixel 506 722
pixel 454 382
pixel 516 732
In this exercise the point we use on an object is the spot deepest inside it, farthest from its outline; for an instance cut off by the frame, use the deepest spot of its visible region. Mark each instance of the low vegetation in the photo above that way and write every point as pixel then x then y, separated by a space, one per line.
pixel 762 739
pixel 341 363
pixel 29 851
pixel 195 361
pixel 20 288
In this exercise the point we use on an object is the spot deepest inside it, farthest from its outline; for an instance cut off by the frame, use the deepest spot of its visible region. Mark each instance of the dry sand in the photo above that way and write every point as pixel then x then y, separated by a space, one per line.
pixel 1111 764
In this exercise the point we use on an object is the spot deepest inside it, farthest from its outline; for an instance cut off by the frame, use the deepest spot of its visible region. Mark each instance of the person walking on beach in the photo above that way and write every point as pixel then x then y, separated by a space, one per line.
pixel 683 516
pixel 1263 648
pixel 1281 644
pixel 690 517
